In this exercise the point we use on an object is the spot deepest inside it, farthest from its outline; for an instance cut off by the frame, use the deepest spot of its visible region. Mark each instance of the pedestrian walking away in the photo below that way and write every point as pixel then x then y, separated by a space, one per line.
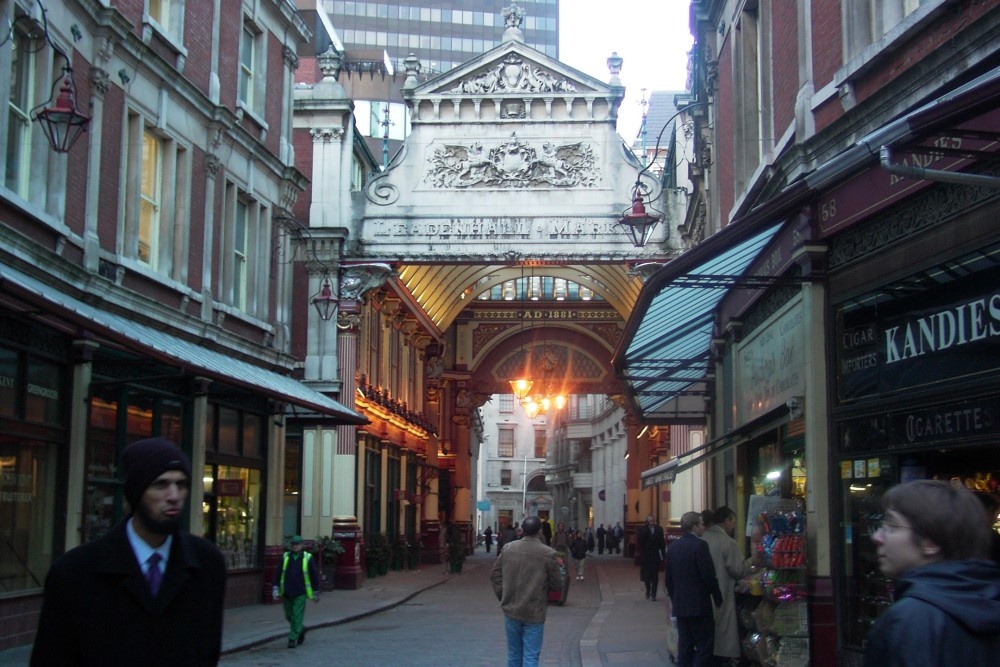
pixel 652 551
pixel 578 550
pixel 488 538
pixel 147 592
pixel 934 544
pixel 296 581
pixel 692 587
pixel 522 576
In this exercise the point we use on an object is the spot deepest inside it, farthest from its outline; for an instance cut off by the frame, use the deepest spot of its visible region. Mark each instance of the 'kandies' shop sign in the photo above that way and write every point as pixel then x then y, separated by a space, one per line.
pixel 944 341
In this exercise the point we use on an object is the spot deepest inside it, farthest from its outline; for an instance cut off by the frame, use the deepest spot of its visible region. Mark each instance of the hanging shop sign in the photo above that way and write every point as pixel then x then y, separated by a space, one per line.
pixel 938 336
pixel 770 364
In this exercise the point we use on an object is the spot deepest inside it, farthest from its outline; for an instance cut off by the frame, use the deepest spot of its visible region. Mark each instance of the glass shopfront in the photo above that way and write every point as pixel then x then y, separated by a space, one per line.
pixel 34 390
pixel 918 398
pixel 233 479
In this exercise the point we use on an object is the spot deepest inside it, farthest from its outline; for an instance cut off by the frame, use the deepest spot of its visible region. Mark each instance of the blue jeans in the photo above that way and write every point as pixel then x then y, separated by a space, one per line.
pixel 524 642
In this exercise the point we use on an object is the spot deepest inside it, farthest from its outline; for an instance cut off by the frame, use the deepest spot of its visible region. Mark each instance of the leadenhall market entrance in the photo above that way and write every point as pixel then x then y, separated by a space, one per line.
pixel 918 397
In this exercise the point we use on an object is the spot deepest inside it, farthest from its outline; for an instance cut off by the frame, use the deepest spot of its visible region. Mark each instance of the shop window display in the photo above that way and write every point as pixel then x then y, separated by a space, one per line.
pixel 773 600
pixel 27 497
pixel 231 512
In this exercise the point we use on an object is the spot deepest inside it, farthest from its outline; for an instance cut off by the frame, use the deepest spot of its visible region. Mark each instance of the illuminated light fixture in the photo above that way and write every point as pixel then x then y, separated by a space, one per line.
pixel 773 475
pixel 324 300
pixel 521 388
pixel 63 123
pixel 530 407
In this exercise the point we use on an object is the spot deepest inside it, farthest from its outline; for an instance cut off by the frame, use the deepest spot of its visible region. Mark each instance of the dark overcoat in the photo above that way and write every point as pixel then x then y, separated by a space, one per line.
pixel 652 549
pixel 98 609
pixel 690 576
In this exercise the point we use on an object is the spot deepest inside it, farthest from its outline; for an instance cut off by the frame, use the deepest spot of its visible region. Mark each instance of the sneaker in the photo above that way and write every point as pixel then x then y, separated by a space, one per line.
pixel 302 637
pixel 292 643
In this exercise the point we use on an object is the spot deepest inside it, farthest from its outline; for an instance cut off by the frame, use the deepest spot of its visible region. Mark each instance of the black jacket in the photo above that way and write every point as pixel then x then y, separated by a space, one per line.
pixel 945 613
pixel 690 575
pixel 98 609
pixel 652 550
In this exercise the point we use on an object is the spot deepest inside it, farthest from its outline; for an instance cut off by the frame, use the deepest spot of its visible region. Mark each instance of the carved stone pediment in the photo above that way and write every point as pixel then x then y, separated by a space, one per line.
pixel 513 74
pixel 512 70
pixel 513 163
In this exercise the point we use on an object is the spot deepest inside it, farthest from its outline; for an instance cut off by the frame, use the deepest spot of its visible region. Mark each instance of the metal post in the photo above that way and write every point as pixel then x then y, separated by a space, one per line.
pixel 524 490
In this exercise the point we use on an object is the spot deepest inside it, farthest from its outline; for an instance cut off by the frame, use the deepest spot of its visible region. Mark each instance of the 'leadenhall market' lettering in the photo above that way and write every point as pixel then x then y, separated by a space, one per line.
pixel 955 326
pixel 499 228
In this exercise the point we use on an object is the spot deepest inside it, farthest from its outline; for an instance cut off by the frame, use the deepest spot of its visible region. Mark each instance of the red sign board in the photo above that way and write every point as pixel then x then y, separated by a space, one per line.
pixel 229 487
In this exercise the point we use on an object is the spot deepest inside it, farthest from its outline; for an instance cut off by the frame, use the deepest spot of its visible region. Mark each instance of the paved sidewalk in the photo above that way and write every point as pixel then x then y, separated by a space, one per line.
pixel 626 629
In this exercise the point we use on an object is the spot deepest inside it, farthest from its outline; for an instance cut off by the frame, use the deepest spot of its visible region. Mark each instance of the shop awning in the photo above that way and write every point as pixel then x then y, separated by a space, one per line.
pixel 664 359
pixel 667 362
pixel 667 472
pixel 187 355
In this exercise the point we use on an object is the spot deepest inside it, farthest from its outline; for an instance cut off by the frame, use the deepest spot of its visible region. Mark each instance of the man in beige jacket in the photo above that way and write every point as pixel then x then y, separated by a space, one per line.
pixel 729 568
pixel 522 576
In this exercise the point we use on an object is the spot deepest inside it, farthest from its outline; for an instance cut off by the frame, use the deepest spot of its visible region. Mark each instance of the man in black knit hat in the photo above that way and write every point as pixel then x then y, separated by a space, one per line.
pixel 147 592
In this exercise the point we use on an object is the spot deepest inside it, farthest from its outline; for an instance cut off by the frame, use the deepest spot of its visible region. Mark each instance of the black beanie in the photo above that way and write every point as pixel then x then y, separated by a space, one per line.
pixel 145 460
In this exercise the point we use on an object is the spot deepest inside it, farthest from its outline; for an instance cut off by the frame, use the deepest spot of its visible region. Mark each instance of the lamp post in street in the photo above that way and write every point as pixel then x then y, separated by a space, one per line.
pixel 524 490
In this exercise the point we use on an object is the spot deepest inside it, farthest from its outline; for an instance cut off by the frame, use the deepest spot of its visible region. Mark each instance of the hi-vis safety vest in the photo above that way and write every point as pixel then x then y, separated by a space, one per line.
pixel 305 574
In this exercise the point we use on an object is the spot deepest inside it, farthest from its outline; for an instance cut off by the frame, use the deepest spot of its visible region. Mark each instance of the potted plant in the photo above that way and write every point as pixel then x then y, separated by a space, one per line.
pixel 413 554
pixel 378 553
pixel 329 551
pixel 399 554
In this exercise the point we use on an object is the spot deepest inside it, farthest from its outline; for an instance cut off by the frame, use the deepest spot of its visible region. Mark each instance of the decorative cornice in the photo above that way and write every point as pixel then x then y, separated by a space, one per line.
pixel 212 163
pixel 327 133
pixel 291 58
pixel 100 81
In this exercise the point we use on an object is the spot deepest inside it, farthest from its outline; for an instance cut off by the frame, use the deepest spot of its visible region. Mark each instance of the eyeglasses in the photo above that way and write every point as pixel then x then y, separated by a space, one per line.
pixel 887 527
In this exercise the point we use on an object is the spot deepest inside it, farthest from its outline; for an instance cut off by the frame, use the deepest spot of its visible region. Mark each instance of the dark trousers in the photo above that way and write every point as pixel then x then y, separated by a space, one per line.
pixel 695 641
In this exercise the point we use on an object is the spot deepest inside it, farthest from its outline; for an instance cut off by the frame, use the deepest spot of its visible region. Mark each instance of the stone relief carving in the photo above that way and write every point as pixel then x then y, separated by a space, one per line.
pixel 513 164
pixel 357 279
pixel 513 75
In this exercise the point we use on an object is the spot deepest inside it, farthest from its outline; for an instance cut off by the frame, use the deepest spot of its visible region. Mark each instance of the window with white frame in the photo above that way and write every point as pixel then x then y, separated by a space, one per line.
pixel 505 477
pixel 241 249
pixel 869 21
pixel 244 284
pixel 505 403
pixel 505 442
pixel 748 114
pixel 149 200
pixel 168 16
pixel 156 198
pixel 22 85
pixel 252 74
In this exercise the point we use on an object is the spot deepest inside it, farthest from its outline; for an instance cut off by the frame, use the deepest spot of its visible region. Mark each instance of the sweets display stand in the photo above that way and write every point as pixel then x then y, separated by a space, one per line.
pixel 774 612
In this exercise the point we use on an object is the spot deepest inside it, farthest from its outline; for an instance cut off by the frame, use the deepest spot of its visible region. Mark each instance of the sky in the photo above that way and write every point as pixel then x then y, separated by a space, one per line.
pixel 652 36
